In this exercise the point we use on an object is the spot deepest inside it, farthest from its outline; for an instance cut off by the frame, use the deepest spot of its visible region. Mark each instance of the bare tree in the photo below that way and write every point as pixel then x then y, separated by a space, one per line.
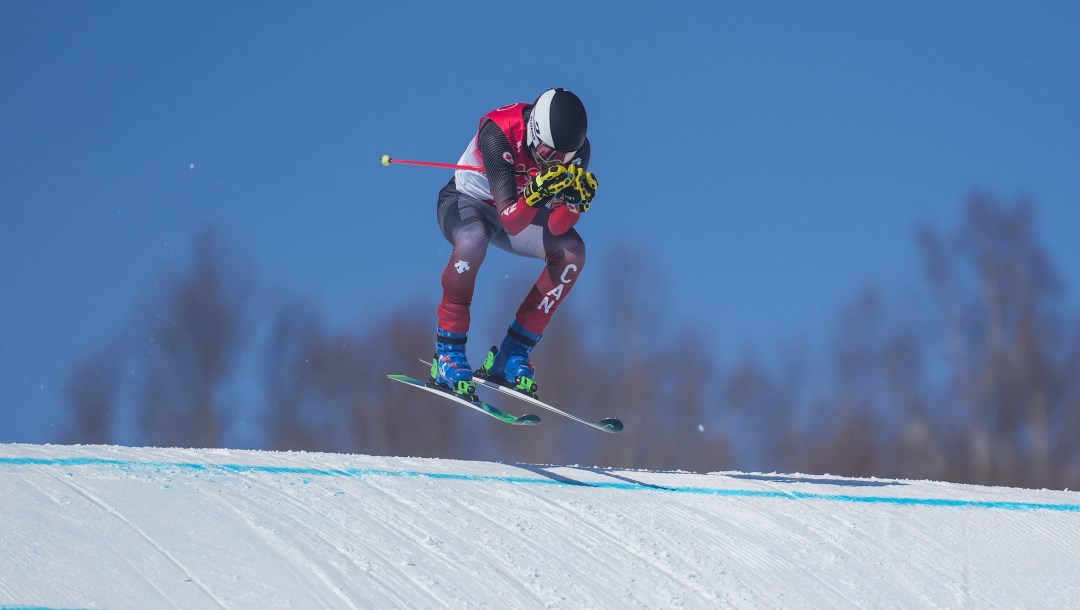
pixel 977 384
pixel 771 423
pixel 1007 347
pixel 194 332
pixel 92 392
pixel 297 415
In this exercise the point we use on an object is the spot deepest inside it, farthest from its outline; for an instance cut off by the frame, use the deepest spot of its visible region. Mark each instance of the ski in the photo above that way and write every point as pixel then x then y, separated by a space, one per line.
pixel 524 420
pixel 608 424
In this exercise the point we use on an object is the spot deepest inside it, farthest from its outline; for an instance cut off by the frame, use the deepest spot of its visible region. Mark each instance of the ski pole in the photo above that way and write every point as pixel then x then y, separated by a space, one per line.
pixel 387 160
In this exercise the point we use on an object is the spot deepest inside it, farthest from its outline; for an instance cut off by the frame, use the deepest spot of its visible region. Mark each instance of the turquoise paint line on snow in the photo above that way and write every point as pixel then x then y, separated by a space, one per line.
pixel 358 473
pixel 36 608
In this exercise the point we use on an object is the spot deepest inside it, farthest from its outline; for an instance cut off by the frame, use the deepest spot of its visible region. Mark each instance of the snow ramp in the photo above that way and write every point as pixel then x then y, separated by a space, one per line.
pixel 116 528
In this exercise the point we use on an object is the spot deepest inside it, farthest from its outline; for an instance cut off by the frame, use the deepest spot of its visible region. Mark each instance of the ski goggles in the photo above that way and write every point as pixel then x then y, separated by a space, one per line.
pixel 549 156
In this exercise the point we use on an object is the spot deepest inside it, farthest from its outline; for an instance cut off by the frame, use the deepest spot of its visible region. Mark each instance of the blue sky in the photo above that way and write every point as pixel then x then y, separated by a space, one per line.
pixel 768 158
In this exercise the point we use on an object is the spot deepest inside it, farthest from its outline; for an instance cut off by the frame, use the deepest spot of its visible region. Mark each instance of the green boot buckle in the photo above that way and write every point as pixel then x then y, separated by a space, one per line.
pixel 526 385
pixel 466 389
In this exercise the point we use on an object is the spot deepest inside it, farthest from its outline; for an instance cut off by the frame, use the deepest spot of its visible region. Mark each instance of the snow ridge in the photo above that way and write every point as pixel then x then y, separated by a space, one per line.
pixel 112 527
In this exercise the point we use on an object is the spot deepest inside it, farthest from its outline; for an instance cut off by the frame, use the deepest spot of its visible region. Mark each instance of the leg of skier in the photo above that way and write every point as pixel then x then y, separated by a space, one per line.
pixel 468 225
pixel 565 258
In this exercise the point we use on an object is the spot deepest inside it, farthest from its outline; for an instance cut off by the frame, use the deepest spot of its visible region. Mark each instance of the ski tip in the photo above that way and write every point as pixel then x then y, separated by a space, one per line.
pixel 610 424
pixel 528 420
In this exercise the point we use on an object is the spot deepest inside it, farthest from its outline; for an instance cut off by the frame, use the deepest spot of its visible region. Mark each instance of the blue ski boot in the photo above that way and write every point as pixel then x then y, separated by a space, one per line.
pixel 509 364
pixel 449 368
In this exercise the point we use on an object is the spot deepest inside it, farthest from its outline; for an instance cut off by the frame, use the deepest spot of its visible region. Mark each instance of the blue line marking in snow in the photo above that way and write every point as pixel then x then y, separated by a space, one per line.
pixel 356 473
pixel 32 608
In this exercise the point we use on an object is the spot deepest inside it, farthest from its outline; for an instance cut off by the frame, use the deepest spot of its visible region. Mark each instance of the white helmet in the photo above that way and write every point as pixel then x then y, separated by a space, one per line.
pixel 558 120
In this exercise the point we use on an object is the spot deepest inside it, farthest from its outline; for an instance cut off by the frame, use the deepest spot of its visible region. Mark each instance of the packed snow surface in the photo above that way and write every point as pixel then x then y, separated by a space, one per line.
pixel 113 527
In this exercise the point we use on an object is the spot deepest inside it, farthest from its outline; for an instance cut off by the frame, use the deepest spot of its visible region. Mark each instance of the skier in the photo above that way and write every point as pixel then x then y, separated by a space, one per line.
pixel 534 188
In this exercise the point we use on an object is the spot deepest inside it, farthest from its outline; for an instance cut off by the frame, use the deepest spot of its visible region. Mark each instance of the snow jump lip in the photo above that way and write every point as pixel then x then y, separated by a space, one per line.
pixel 360 473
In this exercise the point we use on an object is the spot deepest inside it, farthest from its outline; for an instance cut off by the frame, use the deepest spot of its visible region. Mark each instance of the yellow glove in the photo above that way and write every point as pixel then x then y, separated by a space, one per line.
pixel 580 195
pixel 547 184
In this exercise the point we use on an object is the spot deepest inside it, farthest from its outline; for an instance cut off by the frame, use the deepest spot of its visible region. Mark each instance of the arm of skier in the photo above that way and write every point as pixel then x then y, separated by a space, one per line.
pixel 514 214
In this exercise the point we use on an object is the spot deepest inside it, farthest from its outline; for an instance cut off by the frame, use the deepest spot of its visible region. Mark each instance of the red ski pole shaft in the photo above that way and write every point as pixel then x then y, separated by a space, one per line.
pixel 387 160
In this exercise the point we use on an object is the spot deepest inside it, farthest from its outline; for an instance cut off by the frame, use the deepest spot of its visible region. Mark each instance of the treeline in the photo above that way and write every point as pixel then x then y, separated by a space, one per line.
pixel 971 376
